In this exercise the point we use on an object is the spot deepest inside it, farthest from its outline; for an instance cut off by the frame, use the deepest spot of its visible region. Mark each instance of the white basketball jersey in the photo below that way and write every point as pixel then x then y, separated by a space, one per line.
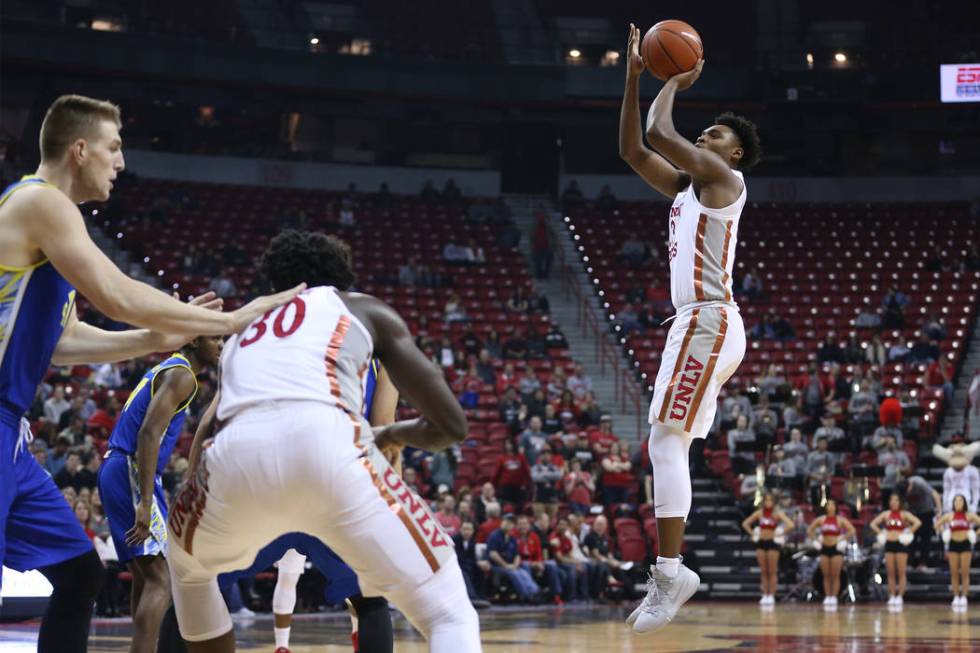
pixel 702 248
pixel 312 348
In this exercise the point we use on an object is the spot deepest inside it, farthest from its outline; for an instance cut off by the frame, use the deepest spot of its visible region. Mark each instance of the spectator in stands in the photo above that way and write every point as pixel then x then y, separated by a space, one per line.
pixel 502 551
pixel 515 347
pixel 566 408
pixel 58 454
pixel 582 450
pixel 555 339
pixel 518 301
pixel 571 197
pixel 536 346
pixel 442 468
pixel 764 330
pixel 39 449
pixel 898 352
pixel 876 354
pixel 528 383
pixel 894 304
pixel 487 498
pixel 454 310
pixel 429 194
pixel 490 524
pixel 56 404
pixel 578 486
pixel 924 350
pixel 853 352
pixel 813 389
pixel 940 375
pixel 447 517
pixel 743 462
pixel 447 355
pixel 601 441
pixel 606 202
pixel 782 329
pixel 629 320
pixel 579 383
pixel 473 254
pixel 643 468
pixel 223 286
pixel 734 405
pixel 617 476
pixel 571 561
pixel 926 504
pixel 547 470
pixel 557 383
pixel 507 378
pixel 533 440
pixel 471 342
pixel 752 285
pixel 633 250
pixel 863 406
pixel 606 565
pixel 879 438
pixel 590 413
pixel 493 345
pixel 748 484
pixel 933 327
pixel 408 272
pixel 484 368
pixel 474 570
pixel 72 474
pixel 830 351
pixel 796 449
pixel 529 548
pixel 897 466
pixel 107 375
pixel 551 423
pixel 454 254
pixel 762 409
pixel 411 479
pixel 541 247
pixel 75 409
pixel 75 430
pixel 451 193
pixel 820 466
pixel 509 406
pixel 781 465
pixel 512 477
pixel 868 318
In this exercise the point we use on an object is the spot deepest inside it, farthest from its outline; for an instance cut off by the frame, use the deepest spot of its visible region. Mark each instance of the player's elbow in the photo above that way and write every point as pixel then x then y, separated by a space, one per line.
pixel 456 428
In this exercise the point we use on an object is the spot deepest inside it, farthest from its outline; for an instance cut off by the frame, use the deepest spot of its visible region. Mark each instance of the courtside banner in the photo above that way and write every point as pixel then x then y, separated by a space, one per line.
pixel 959 82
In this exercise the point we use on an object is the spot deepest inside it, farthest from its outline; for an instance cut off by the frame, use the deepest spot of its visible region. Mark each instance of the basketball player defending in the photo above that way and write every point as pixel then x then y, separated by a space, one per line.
pixel 292 452
pixel 706 341
pixel 45 254
pixel 131 485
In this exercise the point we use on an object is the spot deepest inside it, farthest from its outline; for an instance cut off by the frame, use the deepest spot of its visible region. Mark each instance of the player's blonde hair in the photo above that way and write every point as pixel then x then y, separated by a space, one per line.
pixel 71 117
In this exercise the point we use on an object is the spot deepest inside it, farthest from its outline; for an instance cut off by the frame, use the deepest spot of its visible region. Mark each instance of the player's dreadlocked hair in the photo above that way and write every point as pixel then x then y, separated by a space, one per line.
pixel 293 257
pixel 747 136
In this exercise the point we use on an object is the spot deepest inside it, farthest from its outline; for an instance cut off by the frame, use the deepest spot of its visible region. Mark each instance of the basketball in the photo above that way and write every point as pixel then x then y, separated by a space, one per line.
pixel 671 47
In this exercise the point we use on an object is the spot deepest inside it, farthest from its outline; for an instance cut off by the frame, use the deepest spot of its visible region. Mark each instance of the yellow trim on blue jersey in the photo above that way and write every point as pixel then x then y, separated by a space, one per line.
pixel 157 370
pixel 3 198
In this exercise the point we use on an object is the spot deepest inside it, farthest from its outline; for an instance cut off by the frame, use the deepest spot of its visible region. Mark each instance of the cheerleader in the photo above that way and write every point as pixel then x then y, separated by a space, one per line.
pixel 833 530
pixel 899 525
pixel 960 547
pixel 766 547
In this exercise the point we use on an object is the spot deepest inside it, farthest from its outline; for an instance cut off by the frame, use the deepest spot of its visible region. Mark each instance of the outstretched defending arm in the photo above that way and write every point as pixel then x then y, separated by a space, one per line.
pixel 55 226
pixel 653 168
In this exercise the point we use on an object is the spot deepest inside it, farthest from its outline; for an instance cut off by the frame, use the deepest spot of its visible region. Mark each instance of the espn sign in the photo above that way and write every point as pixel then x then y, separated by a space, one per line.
pixel 959 82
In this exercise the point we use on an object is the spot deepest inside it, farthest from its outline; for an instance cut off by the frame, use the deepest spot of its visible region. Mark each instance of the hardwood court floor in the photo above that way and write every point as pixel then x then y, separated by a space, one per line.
pixel 704 626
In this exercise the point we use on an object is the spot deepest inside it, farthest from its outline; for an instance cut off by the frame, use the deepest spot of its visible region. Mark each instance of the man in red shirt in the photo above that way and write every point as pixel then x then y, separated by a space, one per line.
pixel 512 476
pixel 579 487
pixel 575 571
pixel 491 524
pixel 447 516
pixel 529 548
pixel 600 441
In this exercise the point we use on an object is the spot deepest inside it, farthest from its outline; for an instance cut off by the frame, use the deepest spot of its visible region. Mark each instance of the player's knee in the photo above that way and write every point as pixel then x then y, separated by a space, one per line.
pixel 366 605
pixel 77 582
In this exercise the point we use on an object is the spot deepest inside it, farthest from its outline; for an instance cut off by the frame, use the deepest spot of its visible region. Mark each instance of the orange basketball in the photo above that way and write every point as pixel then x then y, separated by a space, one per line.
pixel 671 47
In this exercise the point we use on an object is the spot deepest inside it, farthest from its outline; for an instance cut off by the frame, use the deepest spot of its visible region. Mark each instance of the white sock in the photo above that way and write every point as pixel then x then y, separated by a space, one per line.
pixel 668 566
pixel 282 637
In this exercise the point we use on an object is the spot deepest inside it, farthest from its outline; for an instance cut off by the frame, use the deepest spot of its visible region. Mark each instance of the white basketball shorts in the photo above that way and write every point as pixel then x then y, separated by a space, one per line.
pixel 705 345
pixel 303 466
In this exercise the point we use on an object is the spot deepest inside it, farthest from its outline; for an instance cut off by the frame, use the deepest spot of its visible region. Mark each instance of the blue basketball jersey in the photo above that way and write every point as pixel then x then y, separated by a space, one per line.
pixel 35 303
pixel 124 437
pixel 370 384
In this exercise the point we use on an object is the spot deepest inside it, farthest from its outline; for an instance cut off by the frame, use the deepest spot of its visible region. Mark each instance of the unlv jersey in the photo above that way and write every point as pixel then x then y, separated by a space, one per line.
pixel 310 349
pixel 702 248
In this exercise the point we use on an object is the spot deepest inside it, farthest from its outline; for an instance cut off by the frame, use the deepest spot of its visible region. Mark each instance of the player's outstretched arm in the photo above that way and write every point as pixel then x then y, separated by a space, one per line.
pixel 172 388
pixel 702 164
pixel 56 226
pixel 653 168
pixel 205 429
pixel 82 343
pixel 443 422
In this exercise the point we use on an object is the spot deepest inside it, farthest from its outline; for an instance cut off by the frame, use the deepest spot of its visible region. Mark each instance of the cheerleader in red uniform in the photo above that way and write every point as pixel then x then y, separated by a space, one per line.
pixel 960 551
pixel 833 529
pixel 768 518
pixel 896 520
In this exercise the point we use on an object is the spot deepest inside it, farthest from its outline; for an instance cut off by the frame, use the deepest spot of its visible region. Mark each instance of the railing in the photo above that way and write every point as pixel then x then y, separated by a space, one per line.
pixel 626 392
